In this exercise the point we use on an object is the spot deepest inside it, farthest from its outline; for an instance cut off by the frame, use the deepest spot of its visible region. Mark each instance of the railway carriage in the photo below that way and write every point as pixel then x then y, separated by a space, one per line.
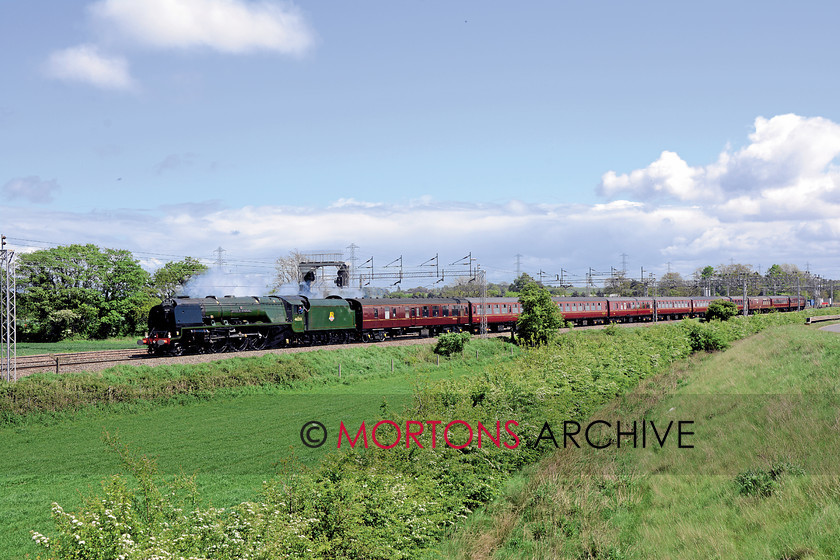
pixel 584 310
pixel 629 310
pixel 670 308
pixel 378 318
pixel 759 304
pixel 502 312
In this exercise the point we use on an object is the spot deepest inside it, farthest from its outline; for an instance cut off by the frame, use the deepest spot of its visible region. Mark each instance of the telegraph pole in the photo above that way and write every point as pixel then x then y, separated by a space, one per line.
pixel 518 265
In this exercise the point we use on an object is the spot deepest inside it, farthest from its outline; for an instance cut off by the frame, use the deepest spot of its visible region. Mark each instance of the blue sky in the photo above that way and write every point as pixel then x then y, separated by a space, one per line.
pixel 568 132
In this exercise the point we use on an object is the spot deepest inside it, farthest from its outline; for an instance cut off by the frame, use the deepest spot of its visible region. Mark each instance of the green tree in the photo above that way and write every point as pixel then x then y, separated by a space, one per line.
pixel 540 317
pixel 80 290
pixel 521 282
pixel 172 276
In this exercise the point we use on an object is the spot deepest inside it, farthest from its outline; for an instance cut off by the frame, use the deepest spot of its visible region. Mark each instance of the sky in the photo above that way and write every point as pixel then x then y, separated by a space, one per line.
pixel 578 135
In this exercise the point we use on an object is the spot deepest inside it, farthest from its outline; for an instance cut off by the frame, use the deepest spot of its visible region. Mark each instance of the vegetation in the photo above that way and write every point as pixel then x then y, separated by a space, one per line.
pixel 451 343
pixel 398 502
pixel 761 481
pixel 540 317
pixel 721 310
pixel 231 438
pixel 85 291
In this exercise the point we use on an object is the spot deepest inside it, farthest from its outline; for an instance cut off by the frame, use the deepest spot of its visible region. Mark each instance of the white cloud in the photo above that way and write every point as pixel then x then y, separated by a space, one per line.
pixel 229 26
pixel 788 168
pixel 572 237
pixel 788 216
pixel 34 189
pixel 85 63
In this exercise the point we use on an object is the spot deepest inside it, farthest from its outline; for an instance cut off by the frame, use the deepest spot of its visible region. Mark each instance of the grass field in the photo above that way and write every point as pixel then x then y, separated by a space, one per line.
pixel 235 425
pixel 231 443
pixel 29 348
pixel 761 482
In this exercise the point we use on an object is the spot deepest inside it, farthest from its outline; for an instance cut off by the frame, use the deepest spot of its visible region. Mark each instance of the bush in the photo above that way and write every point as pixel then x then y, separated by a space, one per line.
pixel 756 482
pixel 763 482
pixel 705 337
pixel 451 343
pixel 722 310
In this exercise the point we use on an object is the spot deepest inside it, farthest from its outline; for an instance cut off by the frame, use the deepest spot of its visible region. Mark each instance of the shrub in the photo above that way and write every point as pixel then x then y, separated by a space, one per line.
pixel 756 482
pixel 763 482
pixel 451 343
pixel 705 337
pixel 722 310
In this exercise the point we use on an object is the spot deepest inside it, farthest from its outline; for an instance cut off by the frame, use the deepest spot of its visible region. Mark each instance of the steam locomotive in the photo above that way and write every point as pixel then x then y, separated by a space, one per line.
pixel 235 324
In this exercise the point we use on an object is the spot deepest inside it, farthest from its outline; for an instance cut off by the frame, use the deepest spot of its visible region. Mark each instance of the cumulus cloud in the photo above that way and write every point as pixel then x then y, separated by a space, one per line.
pixel 788 168
pixel 229 26
pixel 85 63
pixel 32 189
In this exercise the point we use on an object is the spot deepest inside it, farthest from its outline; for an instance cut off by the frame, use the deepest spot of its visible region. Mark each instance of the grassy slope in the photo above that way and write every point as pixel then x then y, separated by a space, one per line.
pixel 770 401
pixel 232 443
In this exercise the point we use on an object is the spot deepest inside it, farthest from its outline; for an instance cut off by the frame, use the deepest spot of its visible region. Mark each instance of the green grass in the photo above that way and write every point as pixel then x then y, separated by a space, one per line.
pixel 768 405
pixel 66 346
pixel 232 442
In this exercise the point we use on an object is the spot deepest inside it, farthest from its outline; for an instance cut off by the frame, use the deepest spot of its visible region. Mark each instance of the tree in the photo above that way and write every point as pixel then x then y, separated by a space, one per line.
pixel 672 284
pixel 172 276
pixel 617 284
pixel 80 290
pixel 287 270
pixel 521 282
pixel 540 317
pixel 463 286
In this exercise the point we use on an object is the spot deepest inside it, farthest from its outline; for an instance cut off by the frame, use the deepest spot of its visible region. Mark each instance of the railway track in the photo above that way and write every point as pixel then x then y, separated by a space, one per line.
pixel 58 362
pixel 72 362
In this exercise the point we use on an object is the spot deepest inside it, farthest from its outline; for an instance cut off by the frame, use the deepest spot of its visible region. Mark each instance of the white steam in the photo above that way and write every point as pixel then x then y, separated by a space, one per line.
pixel 219 283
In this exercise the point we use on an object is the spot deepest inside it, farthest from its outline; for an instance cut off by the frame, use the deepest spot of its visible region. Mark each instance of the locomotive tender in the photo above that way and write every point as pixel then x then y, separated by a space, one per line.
pixel 232 324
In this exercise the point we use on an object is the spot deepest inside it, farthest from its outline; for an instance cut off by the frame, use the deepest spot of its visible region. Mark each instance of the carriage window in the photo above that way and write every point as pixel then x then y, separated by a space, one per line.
pixel 414 312
pixel 393 312
pixel 446 311
pixel 387 313
pixel 425 311
pixel 407 313
pixel 435 311
pixel 376 313
pixel 496 309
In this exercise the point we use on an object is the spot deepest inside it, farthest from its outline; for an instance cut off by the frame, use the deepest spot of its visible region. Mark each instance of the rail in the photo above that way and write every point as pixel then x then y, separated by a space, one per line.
pixel 55 361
